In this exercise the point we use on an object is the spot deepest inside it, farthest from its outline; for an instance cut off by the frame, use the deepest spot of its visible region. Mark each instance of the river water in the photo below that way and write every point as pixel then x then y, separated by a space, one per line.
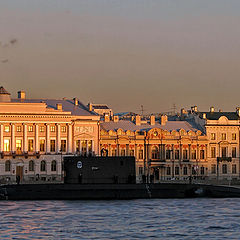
pixel 125 219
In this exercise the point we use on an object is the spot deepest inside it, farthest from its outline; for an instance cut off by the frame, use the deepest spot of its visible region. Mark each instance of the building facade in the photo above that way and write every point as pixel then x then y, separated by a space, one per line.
pixel 35 135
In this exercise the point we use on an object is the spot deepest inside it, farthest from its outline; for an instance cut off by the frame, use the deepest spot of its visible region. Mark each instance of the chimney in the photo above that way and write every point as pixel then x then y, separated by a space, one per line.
pixel 115 119
pixel 59 106
pixel 195 108
pixel 138 120
pixel 75 101
pixel 106 118
pixel 21 95
pixel 164 119
pixel 90 107
pixel 238 111
pixel 211 109
pixel 204 115
pixel 152 120
pixel 132 118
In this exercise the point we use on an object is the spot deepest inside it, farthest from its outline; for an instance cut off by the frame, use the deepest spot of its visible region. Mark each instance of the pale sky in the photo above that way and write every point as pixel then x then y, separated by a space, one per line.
pixel 125 53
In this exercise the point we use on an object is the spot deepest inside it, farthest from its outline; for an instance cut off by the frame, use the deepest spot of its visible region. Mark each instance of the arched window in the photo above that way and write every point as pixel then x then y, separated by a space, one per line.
pixel 155 153
pixel 43 166
pixel 54 166
pixel 31 165
pixel 7 166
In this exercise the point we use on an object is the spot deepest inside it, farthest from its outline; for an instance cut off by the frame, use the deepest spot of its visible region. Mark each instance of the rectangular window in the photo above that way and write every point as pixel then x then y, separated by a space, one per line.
pixel 140 170
pixel 234 152
pixel 122 152
pixel 168 154
pixel 52 145
pixel 194 154
pixel 19 128
pixel 140 154
pixel 131 153
pixel 42 145
pixel 7 129
pixel 224 169
pixel 202 155
pixel 234 136
pixel 18 145
pixel 30 128
pixel 114 152
pixel 194 170
pixel 89 146
pixel 168 170
pixel 224 136
pixel 52 128
pixel 176 170
pixel 213 168
pixel 185 170
pixel 213 152
pixel 63 145
pixel 234 169
pixel 202 170
pixel 213 136
pixel 6 145
pixel 185 154
pixel 42 129
pixel 30 145
pixel 224 151
pixel 63 129
pixel 78 145
pixel 176 154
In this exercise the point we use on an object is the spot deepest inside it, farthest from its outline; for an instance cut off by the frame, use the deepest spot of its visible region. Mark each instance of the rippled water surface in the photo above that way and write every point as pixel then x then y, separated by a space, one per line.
pixel 134 219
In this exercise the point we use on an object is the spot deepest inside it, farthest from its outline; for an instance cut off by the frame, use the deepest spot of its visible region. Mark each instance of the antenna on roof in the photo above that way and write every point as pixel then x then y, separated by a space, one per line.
pixel 142 110
pixel 174 109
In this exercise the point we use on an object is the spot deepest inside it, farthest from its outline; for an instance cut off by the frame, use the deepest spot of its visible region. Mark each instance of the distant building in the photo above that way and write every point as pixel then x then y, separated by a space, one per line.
pixel 36 133
pixel 100 109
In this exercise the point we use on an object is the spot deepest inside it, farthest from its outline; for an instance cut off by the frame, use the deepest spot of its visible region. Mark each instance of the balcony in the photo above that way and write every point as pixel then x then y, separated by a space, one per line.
pixel 224 159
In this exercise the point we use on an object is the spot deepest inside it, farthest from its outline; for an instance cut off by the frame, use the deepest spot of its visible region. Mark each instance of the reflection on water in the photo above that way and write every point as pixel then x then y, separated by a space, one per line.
pixel 157 218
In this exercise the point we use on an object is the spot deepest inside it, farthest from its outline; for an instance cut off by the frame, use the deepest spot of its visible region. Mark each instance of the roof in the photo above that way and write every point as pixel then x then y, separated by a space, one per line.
pixel 100 107
pixel 217 115
pixel 129 125
pixel 3 91
pixel 67 105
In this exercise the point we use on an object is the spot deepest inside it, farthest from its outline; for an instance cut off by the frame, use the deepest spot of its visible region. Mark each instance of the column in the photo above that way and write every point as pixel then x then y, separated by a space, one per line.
pixel 69 146
pixel 93 148
pixel 87 147
pixel 1 139
pixel 13 143
pixel 47 138
pixel 36 138
pixel 58 138
pixel 25 143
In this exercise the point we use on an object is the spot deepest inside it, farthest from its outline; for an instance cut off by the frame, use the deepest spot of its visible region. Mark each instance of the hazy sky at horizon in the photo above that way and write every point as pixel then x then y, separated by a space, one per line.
pixel 123 52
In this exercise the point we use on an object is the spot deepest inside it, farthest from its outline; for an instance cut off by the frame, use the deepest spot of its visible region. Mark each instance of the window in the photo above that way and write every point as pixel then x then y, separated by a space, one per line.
pixel 224 136
pixel 131 153
pixel 30 128
pixel 185 154
pixel 54 166
pixel 31 166
pixel 7 128
pixel 224 151
pixel 78 145
pixel 185 170
pixel 122 152
pixel 18 145
pixel 213 168
pixel 63 129
pixel 168 154
pixel 42 145
pixel 194 170
pixel 63 145
pixel 7 166
pixel 213 152
pixel 194 154
pixel 213 136
pixel 42 129
pixel 140 170
pixel 234 152
pixel 202 170
pixel 202 154
pixel 52 145
pixel 114 152
pixel 168 170
pixel 43 166
pixel 234 169
pixel 176 170
pixel 52 128
pixel 6 145
pixel 140 154
pixel 89 146
pixel 234 136
pixel 176 154
pixel 30 145
pixel 19 128
pixel 155 153
pixel 224 169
